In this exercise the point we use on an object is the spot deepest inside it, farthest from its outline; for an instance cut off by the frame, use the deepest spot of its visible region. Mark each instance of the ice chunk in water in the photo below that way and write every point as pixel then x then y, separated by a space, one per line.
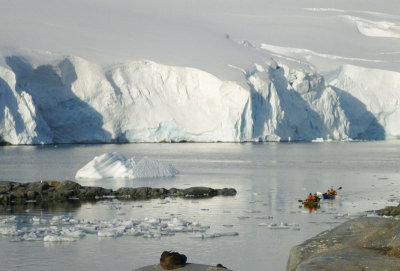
pixel 115 165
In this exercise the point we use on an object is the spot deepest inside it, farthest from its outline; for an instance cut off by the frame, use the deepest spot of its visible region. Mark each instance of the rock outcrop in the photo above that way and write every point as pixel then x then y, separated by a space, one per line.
pixel 55 191
pixel 371 243
pixel 389 211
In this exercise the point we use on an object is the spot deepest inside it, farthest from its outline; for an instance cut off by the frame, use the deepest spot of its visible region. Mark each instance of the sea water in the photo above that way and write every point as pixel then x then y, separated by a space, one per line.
pixel 265 214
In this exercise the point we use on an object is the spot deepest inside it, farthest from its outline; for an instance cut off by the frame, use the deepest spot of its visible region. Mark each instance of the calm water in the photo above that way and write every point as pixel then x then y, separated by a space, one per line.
pixel 269 178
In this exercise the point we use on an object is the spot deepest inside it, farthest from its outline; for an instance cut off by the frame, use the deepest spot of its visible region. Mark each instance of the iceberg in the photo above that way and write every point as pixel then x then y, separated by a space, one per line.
pixel 115 165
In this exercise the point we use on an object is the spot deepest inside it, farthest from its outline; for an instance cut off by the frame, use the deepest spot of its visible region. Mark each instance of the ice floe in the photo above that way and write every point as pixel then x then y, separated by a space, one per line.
pixel 70 229
pixel 280 226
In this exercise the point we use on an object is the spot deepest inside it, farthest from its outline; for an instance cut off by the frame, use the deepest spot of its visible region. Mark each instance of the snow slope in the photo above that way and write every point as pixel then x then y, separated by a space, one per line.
pixel 261 71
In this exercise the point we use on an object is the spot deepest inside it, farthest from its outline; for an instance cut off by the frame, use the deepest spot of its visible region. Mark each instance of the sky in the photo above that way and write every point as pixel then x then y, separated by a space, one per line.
pixel 205 34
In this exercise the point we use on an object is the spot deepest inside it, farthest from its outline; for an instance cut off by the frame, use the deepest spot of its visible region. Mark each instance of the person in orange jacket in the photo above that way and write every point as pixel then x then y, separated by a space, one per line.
pixel 331 191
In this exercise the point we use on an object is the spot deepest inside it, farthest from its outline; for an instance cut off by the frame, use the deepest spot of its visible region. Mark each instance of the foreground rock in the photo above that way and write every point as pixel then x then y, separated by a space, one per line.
pixel 187 267
pixel 175 261
pixel 359 244
pixel 55 191
pixel 389 211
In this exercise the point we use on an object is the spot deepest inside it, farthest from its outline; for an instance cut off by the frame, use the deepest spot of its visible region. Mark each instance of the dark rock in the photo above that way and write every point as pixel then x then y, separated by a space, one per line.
pixel 172 191
pixel 55 191
pixel 5 187
pixel 4 198
pixel 358 244
pixel 31 195
pixel 221 266
pixel 93 192
pixel 158 192
pixel 19 193
pixel 172 260
pixel 226 192
pixel 199 192
pixel 65 190
pixel 140 193
pixel 143 193
pixel 38 187
pixel 389 211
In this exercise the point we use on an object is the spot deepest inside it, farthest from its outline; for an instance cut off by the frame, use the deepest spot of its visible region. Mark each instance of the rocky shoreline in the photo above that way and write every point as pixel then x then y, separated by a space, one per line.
pixel 367 243
pixel 56 191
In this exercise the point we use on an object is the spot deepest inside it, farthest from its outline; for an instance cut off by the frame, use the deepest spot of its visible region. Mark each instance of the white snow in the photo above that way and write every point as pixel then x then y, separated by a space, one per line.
pixel 231 72
pixel 371 28
pixel 115 165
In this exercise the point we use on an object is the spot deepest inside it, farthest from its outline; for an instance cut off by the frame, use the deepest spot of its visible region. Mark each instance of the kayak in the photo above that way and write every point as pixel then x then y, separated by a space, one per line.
pixel 310 203
pixel 330 196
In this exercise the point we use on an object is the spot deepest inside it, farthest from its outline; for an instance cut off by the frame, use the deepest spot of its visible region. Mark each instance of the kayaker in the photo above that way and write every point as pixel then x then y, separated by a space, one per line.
pixel 331 191
pixel 315 197
pixel 310 197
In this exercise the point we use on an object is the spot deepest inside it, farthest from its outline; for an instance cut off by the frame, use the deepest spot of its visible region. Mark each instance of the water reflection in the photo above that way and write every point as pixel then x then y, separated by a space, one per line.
pixel 42 207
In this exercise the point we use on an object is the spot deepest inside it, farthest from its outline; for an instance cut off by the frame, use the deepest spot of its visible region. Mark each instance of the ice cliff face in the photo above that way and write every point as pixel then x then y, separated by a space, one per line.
pixel 290 104
pixel 20 122
pixel 78 101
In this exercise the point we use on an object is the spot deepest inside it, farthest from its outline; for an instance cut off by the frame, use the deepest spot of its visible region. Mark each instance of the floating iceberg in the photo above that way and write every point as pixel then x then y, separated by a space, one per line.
pixel 115 165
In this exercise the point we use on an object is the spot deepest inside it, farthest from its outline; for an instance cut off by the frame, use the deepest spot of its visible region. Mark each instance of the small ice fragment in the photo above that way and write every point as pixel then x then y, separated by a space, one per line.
pixel 55 238
pixel 108 233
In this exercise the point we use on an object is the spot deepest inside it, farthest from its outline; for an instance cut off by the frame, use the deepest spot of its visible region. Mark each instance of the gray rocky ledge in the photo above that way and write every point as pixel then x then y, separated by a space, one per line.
pixel 369 243
pixel 55 191
pixel 389 211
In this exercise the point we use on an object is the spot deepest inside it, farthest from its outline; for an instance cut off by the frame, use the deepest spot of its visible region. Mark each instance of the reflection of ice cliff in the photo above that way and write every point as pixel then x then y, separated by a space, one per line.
pixel 115 165
pixel 78 101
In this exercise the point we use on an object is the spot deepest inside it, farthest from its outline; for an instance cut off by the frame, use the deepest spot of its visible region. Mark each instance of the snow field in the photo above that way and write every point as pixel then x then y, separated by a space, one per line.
pixel 257 72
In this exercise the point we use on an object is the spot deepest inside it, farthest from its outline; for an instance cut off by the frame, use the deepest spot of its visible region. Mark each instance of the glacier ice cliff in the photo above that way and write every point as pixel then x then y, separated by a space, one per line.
pixel 76 101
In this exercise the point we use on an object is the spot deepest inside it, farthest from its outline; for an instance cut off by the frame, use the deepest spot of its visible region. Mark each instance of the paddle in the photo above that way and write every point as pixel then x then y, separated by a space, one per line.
pixel 336 189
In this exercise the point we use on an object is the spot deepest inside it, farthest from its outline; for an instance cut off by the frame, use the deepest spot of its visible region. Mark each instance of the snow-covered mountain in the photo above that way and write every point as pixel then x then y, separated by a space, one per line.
pixel 232 72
